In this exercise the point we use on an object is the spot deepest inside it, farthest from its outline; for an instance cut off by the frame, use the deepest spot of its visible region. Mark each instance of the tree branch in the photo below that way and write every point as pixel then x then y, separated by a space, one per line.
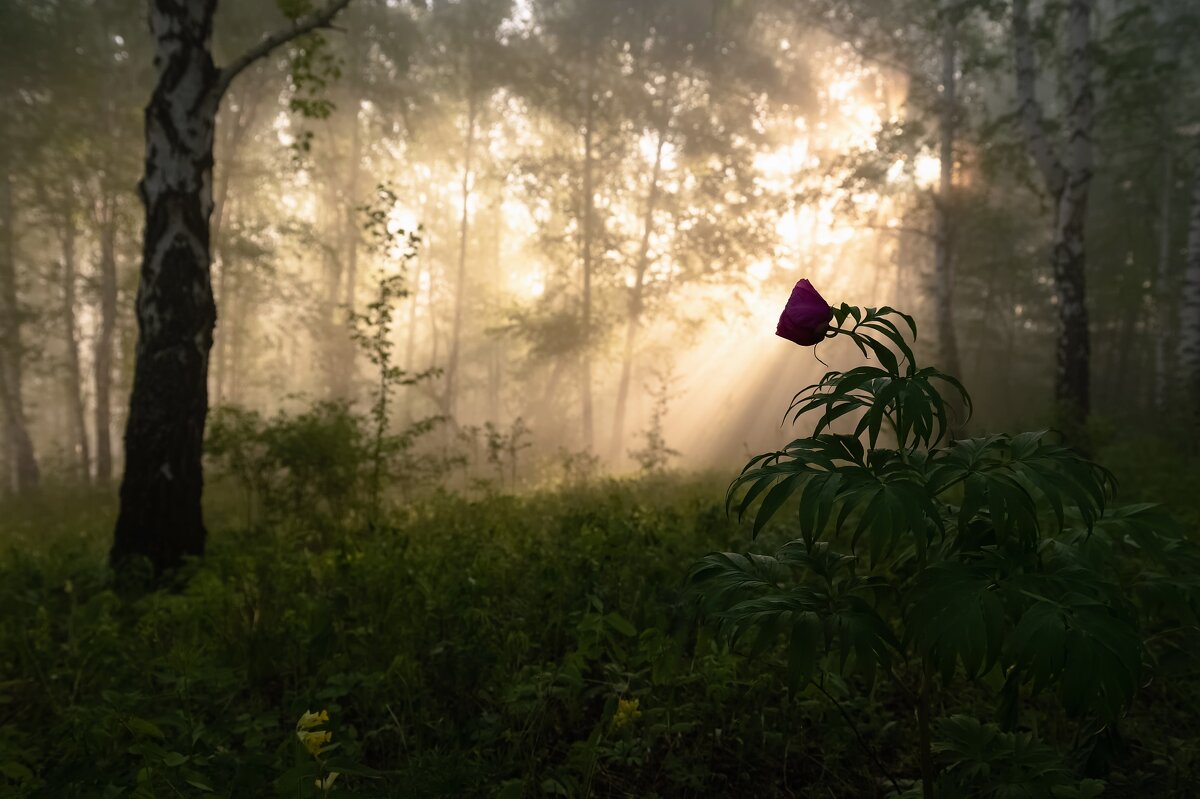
pixel 300 26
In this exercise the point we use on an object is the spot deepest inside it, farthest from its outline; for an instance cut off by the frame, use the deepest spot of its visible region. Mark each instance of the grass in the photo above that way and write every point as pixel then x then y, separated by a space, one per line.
pixel 534 645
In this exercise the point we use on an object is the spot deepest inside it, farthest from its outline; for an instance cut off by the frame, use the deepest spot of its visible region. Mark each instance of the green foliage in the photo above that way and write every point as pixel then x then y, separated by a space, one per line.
pixel 451 662
pixel 372 331
pixel 1011 764
pixel 321 467
pixel 525 646
pixel 996 558
pixel 654 456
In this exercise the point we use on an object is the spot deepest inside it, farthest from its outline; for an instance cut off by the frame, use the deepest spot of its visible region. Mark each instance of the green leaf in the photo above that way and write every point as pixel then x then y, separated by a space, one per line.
pixel 142 726
pixel 804 646
pixel 956 616
pixel 620 624
pixel 16 772
pixel 1094 655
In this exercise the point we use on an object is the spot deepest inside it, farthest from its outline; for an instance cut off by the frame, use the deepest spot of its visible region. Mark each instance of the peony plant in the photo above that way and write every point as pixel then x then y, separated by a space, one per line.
pixel 927 561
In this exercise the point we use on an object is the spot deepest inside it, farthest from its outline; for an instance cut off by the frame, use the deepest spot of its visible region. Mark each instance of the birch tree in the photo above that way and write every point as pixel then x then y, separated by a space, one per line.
pixel 1066 172
pixel 22 466
pixel 160 514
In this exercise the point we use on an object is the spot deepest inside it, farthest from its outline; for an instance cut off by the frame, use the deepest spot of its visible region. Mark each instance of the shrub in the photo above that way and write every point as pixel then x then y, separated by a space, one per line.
pixel 925 560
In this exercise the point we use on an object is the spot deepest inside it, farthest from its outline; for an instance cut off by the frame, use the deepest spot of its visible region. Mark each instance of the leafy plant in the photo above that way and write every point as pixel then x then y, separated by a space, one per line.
pixel 654 456
pixel 371 330
pixel 926 559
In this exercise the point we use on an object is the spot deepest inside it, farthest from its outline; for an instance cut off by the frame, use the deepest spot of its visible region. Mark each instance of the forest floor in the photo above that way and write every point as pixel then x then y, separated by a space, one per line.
pixel 491 645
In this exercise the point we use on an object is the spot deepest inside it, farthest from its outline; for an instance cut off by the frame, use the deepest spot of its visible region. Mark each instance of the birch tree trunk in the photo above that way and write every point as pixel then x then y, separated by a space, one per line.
pixel 23 467
pixel 73 378
pixel 160 515
pixel 587 214
pixel 637 298
pixel 102 352
pixel 1066 179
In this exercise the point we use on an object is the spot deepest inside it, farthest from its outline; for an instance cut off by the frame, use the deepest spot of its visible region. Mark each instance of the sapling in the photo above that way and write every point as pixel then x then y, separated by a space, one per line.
pixel 371 330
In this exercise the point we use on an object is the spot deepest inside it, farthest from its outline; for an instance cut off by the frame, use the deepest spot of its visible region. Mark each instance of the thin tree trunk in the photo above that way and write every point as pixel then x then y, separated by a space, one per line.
pixel 636 298
pixel 1067 183
pixel 943 224
pixel 496 349
pixel 73 382
pixel 102 352
pixel 351 233
pixel 430 307
pixel 587 213
pixel 460 286
pixel 226 297
pixel 410 344
pixel 23 464
pixel 231 290
pixel 238 123
pixel 1189 309
pixel 1074 354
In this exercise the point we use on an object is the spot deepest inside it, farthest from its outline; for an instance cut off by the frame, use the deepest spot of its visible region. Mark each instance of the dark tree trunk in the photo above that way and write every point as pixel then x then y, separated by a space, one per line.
pixel 1066 179
pixel 160 515
pixel 73 378
pixel 23 467
pixel 102 353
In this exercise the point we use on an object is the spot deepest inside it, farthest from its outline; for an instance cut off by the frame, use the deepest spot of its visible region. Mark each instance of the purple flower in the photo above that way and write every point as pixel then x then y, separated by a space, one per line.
pixel 806 317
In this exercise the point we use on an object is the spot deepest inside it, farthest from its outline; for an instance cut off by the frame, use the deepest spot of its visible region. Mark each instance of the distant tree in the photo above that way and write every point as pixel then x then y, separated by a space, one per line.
pixel 22 80
pixel 469 64
pixel 1066 174
pixel 160 509
pixel 938 46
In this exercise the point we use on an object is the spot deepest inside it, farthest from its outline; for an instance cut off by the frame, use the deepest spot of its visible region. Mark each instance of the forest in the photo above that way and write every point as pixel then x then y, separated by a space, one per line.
pixel 600 398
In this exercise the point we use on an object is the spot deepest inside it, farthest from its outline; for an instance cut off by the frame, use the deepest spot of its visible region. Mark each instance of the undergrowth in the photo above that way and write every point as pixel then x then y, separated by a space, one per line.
pixel 511 646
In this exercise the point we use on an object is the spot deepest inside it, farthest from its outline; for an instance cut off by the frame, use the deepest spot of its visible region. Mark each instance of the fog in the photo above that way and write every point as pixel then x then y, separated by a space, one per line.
pixel 595 211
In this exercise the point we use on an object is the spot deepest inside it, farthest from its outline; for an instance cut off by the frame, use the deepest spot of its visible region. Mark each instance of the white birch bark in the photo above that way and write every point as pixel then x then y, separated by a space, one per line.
pixel 160 514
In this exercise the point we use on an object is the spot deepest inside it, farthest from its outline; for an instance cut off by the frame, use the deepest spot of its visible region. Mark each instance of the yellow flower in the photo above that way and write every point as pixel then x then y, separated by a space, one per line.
pixel 314 742
pixel 310 720
pixel 627 713
pixel 327 783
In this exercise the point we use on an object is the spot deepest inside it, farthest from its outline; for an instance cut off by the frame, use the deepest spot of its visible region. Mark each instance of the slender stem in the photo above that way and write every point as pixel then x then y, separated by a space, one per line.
pixel 926 739
pixel 871 753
